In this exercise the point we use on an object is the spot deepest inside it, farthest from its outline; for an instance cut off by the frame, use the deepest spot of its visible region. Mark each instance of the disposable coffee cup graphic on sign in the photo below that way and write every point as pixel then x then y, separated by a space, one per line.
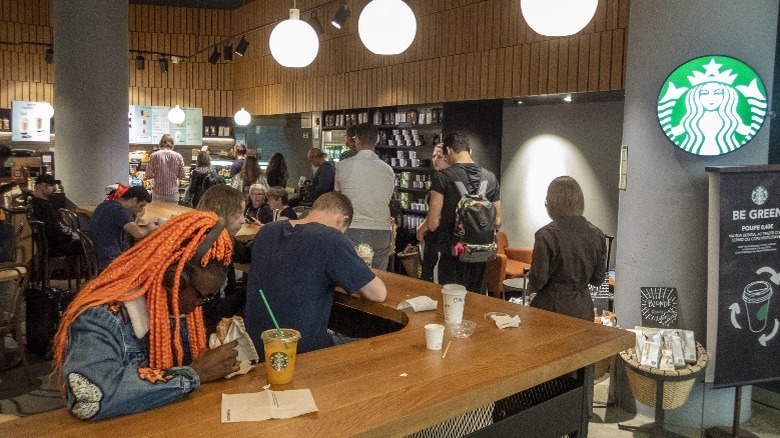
pixel 712 105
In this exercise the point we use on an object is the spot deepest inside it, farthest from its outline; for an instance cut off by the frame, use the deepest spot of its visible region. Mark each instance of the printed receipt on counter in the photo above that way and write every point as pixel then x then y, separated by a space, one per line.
pixel 418 304
pixel 259 406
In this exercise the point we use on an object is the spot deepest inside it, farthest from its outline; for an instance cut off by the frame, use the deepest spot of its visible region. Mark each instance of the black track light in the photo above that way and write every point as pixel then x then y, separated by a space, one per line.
pixel 49 56
pixel 163 65
pixel 315 24
pixel 341 16
pixel 214 57
pixel 242 46
pixel 140 62
pixel 228 52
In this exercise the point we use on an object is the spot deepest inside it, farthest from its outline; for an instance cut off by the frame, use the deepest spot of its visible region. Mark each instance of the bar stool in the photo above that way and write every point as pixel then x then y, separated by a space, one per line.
pixel 15 276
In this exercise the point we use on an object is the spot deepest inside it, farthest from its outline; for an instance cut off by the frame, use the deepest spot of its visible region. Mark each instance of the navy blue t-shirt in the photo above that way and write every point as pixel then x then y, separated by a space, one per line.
pixel 106 229
pixel 298 268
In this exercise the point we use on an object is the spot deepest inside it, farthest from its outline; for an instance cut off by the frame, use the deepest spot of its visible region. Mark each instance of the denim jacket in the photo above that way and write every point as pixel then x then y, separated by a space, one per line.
pixel 106 365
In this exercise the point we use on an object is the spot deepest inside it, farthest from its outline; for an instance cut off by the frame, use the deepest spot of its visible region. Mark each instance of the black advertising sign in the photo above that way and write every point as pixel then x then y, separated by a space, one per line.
pixel 748 308
pixel 659 307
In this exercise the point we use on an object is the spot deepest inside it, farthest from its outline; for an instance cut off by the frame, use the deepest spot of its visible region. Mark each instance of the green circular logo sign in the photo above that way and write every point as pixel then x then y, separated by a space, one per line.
pixel 712 105
pixel 279 360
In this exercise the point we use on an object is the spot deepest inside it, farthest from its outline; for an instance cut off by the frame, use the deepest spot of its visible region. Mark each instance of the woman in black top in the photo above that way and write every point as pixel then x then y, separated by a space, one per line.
pixel 569 253
pixel 202 170
pixel 276 172
pixel 278 200
pixel 257 209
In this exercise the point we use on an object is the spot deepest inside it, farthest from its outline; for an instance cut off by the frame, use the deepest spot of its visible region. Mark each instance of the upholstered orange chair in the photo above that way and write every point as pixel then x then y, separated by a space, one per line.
pixel 509 263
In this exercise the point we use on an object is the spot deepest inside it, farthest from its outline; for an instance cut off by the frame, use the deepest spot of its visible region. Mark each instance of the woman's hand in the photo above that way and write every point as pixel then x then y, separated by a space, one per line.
pixel 217 363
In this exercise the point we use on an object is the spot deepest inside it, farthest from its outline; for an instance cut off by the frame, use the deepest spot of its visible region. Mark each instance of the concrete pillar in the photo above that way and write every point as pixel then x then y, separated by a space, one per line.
pixel 662 219
pixel 91 100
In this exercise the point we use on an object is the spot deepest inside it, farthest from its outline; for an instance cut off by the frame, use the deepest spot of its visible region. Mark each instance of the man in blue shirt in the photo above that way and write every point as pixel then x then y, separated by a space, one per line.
pixel 113 220
pixel 298 264
pixel 325 175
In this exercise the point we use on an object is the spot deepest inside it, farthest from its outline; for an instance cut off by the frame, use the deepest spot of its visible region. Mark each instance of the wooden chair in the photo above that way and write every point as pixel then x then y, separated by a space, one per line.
pixel 509 263
pixel 13 281
pixel 43 265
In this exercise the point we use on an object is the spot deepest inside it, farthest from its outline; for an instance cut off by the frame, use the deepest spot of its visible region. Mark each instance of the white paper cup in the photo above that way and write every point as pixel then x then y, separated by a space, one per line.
pixel 454 298
pixel 434 336
pixel 161 221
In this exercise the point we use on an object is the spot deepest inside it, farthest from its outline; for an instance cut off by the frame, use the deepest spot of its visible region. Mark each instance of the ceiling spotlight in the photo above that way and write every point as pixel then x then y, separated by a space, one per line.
pixel 140 62
pixel 242 46
pixel 163 65
pixel 567 98
pixel 228 51
pixel 315 23
pixel 214 57
pixel 49 55
pixel 341 16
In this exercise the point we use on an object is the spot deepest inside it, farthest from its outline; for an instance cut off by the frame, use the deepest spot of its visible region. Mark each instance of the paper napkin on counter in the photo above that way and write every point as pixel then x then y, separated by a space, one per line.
pixel 505 321
pixel 259 406
pixel 418 304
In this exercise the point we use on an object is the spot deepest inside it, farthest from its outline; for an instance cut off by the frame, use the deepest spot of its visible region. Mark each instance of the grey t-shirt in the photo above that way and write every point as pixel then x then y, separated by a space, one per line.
pixel 368 182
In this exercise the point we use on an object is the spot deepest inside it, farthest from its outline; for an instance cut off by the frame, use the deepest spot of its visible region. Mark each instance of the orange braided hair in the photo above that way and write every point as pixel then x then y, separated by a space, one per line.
pixel 140 271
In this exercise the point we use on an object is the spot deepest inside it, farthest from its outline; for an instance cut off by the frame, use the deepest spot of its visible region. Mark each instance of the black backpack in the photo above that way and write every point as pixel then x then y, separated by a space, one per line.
pixel 211 179
pixel 475 225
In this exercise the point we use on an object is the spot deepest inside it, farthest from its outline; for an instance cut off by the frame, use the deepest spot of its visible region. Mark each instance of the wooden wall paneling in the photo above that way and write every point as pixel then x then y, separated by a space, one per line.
pixel 613 14
pixel 616 62
pixel 623 13
pixel 563 64
pixel 551 82
pixel 606 59
pixel 573 45
pixel 600 17
pixel 491 71
pixel 593 62
pixel 535 61
pixel 583 64
pixel 505 86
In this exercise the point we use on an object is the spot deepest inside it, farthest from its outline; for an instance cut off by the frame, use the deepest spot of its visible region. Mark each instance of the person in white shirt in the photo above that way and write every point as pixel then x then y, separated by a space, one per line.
pixel 368 183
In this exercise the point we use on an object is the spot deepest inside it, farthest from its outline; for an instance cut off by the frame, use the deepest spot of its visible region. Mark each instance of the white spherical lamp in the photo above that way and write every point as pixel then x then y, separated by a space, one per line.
pixel 242 117
pixel 294 42
pixel 387 27
pixel 558 17
pixel 176 115
pixel 46 110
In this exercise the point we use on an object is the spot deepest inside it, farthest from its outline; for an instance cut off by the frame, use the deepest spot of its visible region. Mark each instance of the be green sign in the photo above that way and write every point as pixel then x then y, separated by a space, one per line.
pixel 712 105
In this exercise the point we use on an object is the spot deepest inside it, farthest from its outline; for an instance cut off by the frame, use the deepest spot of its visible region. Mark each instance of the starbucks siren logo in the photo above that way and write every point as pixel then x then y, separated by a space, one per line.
pixel 712 105
pixel 279 361
pixel 759 195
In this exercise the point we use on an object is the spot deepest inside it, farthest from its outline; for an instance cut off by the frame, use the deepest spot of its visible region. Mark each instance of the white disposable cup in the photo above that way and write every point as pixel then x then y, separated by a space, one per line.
pixel 454 298
pixel 434 336
pixel 161 221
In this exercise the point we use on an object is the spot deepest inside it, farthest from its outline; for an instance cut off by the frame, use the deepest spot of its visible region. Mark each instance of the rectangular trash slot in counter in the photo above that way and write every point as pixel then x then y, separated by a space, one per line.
pixel 357 323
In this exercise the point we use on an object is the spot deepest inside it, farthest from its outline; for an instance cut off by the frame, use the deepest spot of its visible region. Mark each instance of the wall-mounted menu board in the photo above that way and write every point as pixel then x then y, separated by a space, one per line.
pixel 148 123
pixel 30 121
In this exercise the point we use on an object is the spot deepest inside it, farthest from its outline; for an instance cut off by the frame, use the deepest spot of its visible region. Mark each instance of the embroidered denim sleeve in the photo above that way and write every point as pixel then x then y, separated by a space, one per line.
pixel 106 370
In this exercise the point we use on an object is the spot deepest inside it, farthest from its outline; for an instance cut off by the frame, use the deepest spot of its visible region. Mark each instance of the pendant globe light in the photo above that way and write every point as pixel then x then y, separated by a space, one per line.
pixel 176 115
pixel 294 42
pixel 242 117
pixel 558 17
pixel 387 27
pixel 46 110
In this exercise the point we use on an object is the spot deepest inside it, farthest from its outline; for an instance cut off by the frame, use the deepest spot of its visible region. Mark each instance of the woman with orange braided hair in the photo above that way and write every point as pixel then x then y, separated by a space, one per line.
pixel 133 338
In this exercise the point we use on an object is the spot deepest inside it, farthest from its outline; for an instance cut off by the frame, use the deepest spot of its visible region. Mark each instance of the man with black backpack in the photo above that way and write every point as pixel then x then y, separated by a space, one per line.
pixel 465 210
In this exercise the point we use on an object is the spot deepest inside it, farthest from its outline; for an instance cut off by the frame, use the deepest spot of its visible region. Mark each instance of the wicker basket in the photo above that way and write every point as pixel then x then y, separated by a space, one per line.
pixel 601 368
pixel 411 263
pixel 677 383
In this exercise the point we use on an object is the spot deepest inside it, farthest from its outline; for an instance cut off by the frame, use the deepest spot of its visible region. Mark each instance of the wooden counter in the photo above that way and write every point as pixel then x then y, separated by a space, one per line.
pixel 156 209
pixel 359 388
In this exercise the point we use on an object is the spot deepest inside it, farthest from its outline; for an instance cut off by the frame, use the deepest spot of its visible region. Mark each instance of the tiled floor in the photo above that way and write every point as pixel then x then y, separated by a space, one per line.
pixel 764 422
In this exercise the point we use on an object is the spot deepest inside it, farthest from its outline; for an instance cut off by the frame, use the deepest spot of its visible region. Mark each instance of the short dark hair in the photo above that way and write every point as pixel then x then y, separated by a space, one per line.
pixel 335 202
pixel 351 130
pixel 564 198
pixel 456 143
pixel 204 159
pixel 240 149
pixel 137 192
pixel 5 152
pixel 367 134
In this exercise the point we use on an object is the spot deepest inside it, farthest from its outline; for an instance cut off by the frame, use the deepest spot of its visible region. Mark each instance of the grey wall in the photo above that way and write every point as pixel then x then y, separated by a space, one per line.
pixel 481 121
pixel 663 212
pixel 542 142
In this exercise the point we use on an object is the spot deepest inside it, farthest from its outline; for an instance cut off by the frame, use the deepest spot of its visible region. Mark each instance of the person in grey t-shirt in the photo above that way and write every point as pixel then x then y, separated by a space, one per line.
pixel 368 183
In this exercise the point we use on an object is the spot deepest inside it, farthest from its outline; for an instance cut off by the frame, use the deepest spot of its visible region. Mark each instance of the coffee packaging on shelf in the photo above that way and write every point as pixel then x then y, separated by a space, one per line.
pixel 688 346
pixel 667 361
pixel 651 355
pixel 677 351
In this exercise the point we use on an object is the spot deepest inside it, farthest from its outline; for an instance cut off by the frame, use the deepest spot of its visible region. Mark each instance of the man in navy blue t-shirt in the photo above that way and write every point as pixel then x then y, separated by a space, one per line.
pixel 112 221
pixel 298 264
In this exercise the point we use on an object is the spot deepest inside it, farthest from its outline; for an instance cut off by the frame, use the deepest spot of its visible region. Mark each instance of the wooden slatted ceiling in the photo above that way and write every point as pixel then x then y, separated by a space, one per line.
pixel 464 49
